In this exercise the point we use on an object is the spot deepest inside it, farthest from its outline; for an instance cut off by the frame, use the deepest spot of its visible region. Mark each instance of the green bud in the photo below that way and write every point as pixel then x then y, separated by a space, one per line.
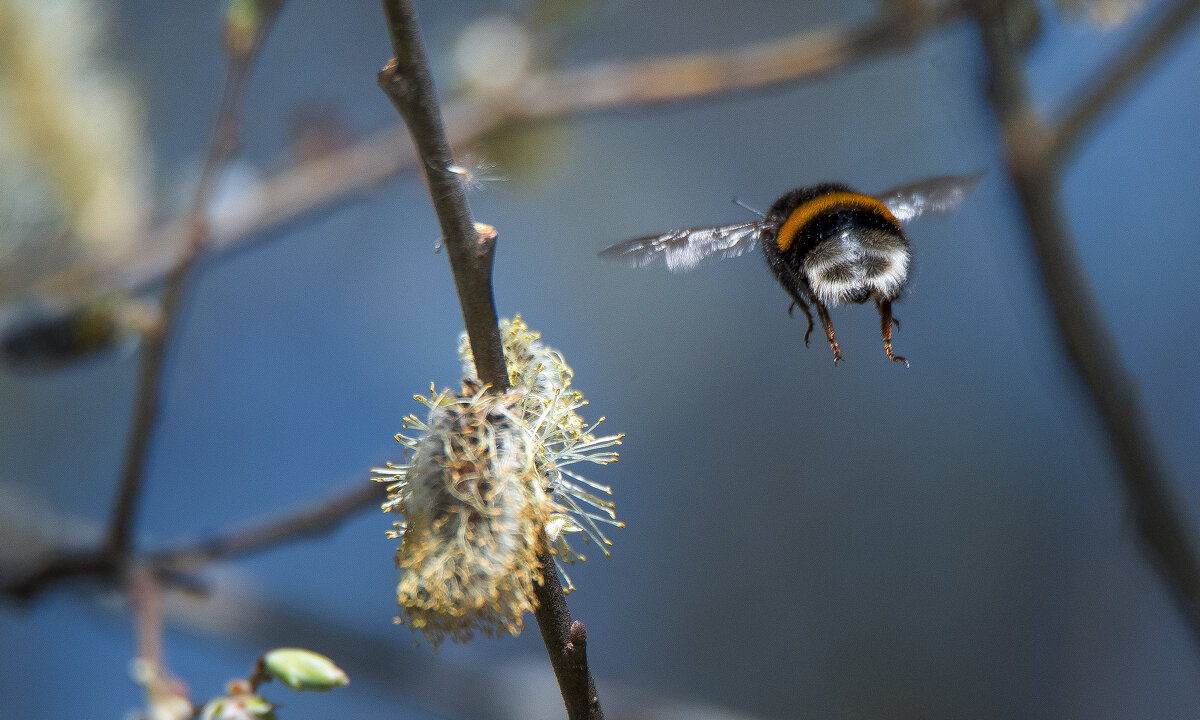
pixel 302 669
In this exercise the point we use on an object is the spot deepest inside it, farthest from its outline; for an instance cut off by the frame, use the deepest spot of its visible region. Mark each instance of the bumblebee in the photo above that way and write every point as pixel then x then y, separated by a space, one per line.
pixel 48 337
pixel 827 244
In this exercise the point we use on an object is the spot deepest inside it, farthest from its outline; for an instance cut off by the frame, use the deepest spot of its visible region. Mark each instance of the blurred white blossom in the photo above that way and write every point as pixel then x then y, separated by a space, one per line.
pixel 73 159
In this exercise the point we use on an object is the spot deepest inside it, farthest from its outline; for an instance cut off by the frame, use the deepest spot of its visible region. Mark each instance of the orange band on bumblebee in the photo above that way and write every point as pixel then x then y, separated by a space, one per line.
pixel 830 202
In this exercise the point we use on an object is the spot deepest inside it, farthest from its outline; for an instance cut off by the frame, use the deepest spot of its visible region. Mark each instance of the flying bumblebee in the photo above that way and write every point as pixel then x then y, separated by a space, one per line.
pixel 827 244
pixel 45 336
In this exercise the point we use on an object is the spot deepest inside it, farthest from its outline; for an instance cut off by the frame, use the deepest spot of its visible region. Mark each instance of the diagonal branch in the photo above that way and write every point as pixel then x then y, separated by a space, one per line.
pixel 322 517
pixel 172 564
pixel 221 149
pixel 406 81
pixel 311 185
pixel 1114 81
pixel 1088 344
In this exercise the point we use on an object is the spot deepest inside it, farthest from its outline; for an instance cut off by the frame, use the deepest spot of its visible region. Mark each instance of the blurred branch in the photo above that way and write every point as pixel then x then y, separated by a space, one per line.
pixel 311 185
pixel 62 565
pixel 322 517
pixel 686 76
pixel 193 234
pixel 1114 81
pixel 1088 344
pixel 406 81
pixel 242 53
pixel 145 598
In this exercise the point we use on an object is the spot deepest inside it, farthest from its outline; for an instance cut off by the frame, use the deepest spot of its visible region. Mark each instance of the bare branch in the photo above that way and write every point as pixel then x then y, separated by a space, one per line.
pixel 62 565
pixel 221 149
pixel 1114 81
pixel 1087 342
pixel 310 185
pixel 406 81
pixel 566 646
pixel 322 517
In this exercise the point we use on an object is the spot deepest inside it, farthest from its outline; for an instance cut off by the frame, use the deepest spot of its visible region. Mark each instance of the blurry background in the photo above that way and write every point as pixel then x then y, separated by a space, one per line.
pixel 860 541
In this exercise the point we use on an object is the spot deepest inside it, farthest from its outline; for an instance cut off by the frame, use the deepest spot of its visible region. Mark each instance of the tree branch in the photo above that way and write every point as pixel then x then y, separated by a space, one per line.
pixel 222 147
pixel 322 517
pixel 307 186
pixel 565 641
pixel 62 565
pixel 115 550
pixel 170 565
pixel 1087 342
pixel 406 81
pixel 1098 96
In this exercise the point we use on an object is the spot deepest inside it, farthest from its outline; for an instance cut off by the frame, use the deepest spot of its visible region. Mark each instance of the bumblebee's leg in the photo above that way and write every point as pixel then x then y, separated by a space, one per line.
pixel 823 313
pixel 885 327
pixel 798 301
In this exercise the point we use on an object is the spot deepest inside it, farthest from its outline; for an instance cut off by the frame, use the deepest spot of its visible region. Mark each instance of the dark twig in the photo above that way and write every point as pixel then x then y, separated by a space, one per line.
pixel 171 566
pixel 116 548
pixel 63 565
pixel 224 144
pixel 311 185
pixel 322 517
pixel 1110 84
pixel 565 646
pixel 406 81
pixel 1087 342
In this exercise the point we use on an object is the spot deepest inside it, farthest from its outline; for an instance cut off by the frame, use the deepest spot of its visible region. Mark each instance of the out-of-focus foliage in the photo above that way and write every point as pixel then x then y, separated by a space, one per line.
pixel 73 159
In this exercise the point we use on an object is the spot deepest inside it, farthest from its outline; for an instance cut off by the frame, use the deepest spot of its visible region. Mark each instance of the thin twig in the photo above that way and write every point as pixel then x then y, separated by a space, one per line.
pixel 62 565
pixel 222 147
pixel 406 81
pixel 322 517
pixel 1098 96
pixel 115 550
pixel 308 186
pixel 1087 342
pixel 803 55
pixel 564 646
pixel 146 602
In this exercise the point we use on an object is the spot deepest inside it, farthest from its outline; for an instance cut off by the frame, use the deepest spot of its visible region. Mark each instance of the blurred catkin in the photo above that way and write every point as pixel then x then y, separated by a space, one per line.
pixel 73 166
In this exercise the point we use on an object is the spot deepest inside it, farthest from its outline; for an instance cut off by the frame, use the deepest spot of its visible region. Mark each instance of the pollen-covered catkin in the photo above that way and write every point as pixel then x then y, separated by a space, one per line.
pixel 550 410
pixel 474 511
pixel 489 487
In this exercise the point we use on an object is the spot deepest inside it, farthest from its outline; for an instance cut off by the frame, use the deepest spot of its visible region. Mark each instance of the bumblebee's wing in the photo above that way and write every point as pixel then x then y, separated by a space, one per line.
pixel 932 195
pixel 683 249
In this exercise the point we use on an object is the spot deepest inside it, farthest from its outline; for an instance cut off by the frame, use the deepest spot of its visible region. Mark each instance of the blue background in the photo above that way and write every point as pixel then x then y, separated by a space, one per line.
pixel 863 541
